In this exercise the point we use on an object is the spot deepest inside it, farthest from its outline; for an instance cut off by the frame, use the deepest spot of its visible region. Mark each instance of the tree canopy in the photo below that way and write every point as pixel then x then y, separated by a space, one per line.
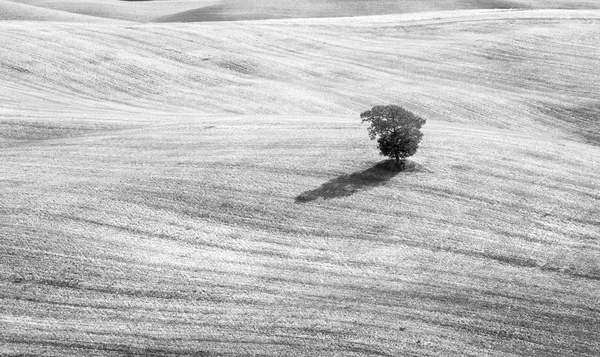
pixel 397 130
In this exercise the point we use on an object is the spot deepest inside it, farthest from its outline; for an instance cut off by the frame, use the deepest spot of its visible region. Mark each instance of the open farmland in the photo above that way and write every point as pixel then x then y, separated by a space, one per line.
pixel 207 189
pixel 276 236
pixel 528 70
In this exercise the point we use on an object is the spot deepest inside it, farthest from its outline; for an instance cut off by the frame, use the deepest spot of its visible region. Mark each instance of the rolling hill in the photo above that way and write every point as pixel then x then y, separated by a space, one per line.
pixel 10 11
pixel 139 11
pixel 531 70
pixel 280 236
pixel 208 189
pixel 232 10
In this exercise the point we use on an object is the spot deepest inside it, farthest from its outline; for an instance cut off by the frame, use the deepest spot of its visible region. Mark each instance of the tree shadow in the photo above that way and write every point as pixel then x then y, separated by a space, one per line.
pixel 347 185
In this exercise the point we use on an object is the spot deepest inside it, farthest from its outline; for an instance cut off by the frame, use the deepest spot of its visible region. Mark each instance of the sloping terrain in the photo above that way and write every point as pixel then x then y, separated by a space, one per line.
pixel 10 11
pixel 228 10
pixel 532 70
pixel 281 236
pixel 142 214
pixel 141 11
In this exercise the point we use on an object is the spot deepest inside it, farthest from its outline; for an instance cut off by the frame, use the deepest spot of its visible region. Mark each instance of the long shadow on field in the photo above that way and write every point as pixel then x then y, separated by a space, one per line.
pixel 347 185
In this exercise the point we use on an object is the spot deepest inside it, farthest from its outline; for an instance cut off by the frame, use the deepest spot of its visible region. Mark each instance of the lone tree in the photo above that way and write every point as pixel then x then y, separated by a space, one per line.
pixel 397 130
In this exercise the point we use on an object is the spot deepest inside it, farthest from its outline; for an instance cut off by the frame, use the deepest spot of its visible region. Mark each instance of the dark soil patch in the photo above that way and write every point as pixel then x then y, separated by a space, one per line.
pixel 347 185
pixel 585 117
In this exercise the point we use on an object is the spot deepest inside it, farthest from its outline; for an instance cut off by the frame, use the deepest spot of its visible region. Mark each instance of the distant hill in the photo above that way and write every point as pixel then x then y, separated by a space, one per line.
pixel 139 11
pixel 11 11
pixel 228 10
pixel 537 68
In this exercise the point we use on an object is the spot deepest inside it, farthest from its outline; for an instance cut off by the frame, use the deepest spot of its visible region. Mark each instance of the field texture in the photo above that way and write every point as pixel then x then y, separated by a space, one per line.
pixel 528 70
pixel 208 189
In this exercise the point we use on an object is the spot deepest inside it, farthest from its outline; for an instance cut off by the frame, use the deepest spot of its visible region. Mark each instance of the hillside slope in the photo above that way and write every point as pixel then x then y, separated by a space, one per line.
pixel 532 70
pixel 140 215
pixel 140 11
pixel 231 10
pixel 279 236
pixel 228 10
pixel 10 11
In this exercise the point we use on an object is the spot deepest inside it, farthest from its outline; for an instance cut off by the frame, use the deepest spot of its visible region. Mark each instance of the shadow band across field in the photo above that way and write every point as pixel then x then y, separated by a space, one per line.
pixel 347 185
